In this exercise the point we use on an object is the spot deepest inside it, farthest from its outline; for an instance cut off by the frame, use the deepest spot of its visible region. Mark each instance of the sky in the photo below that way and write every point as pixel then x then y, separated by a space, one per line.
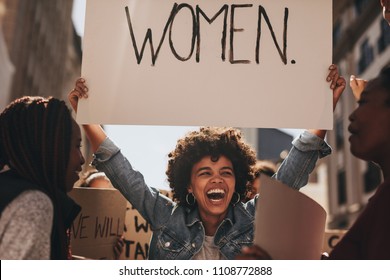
pixel 78 15
pixel 146 147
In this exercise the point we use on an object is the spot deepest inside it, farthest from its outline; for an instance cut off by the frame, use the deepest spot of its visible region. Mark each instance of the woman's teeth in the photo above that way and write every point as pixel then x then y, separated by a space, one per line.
pixel 216 194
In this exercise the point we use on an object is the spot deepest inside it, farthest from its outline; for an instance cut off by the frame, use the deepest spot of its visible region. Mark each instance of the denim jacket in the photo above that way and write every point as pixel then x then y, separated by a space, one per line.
pixel 178 232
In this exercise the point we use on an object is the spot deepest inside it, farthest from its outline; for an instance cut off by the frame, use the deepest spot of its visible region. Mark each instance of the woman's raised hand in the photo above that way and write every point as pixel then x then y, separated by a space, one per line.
pixel 79 91
pixel 337 83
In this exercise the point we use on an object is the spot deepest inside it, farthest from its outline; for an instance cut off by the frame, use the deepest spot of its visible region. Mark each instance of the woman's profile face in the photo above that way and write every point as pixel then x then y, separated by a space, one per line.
pixel 213 184
pixel 76 158
pixel 370 124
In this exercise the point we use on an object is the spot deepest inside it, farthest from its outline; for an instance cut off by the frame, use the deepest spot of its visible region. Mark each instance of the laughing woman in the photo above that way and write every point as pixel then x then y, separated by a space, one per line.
pixel 208 173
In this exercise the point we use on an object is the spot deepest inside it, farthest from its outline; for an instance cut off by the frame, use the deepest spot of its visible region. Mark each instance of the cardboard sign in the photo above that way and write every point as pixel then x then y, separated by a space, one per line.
pixel 221 63
pixel 137 233
pixel 289 225
pixel 95 230
pixel 331 238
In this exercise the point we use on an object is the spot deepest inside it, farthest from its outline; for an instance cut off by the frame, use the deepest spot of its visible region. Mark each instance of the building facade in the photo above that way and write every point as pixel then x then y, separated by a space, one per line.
pixel 7 68
pixel 43 47
pixel 360 46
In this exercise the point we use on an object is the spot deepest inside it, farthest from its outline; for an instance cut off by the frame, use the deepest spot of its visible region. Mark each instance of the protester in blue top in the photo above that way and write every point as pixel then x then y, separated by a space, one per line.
pixel 208 171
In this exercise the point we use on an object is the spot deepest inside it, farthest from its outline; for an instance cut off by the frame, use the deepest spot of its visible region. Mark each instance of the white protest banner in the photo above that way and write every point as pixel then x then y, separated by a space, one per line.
pixel 289 225
pixel 241 63
pixel 96 229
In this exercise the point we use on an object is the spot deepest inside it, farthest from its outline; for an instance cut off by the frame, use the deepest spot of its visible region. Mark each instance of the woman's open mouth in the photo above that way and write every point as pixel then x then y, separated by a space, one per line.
pixel 216 195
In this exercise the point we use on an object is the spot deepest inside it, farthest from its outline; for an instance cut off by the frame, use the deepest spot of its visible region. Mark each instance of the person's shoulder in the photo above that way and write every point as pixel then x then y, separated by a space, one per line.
pixel 33 196
pixel 32 203
pixel 26 225
pixel 252 202
pixel 248 207
pixel 381 196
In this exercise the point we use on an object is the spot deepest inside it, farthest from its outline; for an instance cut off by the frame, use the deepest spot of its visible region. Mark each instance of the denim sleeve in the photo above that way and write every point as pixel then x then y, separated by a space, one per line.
pixel 301 160
pixel 152 205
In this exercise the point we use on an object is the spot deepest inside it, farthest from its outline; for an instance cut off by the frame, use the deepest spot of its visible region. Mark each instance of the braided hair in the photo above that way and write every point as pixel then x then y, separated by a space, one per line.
pixel 35 139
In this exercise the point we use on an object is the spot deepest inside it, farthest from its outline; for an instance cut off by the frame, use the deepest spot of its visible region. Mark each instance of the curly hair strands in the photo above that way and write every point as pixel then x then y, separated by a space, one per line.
pixel 35 142
pixel 214 142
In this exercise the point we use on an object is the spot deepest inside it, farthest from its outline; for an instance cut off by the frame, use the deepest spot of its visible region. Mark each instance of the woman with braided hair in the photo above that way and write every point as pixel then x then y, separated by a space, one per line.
pixel 40 159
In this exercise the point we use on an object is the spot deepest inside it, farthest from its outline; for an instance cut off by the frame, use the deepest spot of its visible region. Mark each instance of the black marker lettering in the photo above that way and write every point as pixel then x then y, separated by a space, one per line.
pixel 141 226
pixel 78 231
pixel 195 17
pixel 232 30
pixel 194 32
pixel 225 10
pixel 149 36
pixel 283 55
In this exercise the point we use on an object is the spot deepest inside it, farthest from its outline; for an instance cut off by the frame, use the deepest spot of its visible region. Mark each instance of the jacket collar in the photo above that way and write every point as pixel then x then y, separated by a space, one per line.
pixel 234 214
pixel 192 216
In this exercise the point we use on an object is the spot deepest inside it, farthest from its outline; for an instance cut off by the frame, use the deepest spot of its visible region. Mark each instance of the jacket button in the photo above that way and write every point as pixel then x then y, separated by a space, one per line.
pixel 193 245
pixel 167 244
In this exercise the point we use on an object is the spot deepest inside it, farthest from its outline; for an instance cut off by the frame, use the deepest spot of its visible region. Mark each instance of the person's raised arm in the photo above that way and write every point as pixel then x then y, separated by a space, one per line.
pixel 357 85
pixel 94 132
pixel 337 84
pixel 310 145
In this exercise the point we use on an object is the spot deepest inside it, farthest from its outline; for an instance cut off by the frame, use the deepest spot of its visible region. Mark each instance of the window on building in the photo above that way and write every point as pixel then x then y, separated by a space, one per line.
pixel 372 177
pixel 384 39
pixel 342 188
pixel 366 56
pixel 336 33
pixel 360 5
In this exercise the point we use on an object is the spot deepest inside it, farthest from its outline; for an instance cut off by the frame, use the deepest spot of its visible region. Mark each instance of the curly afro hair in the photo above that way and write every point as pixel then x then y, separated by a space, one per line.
pixel 214 142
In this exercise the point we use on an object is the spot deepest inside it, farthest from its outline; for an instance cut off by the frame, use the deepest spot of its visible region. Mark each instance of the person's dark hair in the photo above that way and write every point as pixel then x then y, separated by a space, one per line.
pixel 35 139
pixel 264 167
pixel 384 77
pixel 214 142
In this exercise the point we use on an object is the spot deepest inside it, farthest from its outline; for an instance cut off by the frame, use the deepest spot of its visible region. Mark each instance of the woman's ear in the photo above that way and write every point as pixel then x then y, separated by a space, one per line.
pixel 189 188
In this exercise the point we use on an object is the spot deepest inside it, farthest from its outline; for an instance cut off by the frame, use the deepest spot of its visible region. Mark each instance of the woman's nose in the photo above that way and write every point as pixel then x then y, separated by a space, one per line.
pixel 216 179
